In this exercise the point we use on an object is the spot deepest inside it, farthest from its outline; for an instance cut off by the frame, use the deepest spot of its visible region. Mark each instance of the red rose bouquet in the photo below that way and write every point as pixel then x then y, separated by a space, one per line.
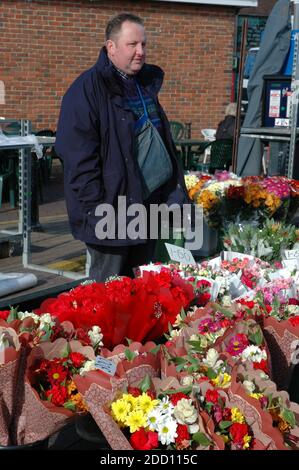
pixel 139 309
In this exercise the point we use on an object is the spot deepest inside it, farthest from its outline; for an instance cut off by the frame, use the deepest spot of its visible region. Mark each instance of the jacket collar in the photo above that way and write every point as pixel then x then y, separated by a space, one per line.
pixel 150 76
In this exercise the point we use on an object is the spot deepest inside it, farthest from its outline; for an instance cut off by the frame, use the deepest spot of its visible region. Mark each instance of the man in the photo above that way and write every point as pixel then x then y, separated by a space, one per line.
pixel 96 137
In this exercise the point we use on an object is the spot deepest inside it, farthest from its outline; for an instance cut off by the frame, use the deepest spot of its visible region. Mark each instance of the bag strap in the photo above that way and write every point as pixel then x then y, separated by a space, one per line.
pixel 142 100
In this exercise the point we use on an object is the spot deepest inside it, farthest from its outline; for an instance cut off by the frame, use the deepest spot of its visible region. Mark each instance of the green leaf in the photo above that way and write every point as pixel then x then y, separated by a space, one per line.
pixel 224 424
pixel 183 314
pixel 227 313
pixel 289 417
pixel 201 439
pixel 185 390
pixel 145 384
pixel 130 355
pixel 180 367
pixel 47 333
pixel 70 405
pixel 256 338
pixel 208 406
pixel 196 345
pixel 66 351
pixel 156 349
pixel 13 315
pixel 178 360
pixel 211 373
pixel 129 341
pixel 270 398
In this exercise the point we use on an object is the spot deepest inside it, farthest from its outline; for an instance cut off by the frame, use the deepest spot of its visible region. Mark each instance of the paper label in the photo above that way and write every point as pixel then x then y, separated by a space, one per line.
pixel 274 105
pixel 280 273
pixel 291 254
pixel 282 122
pixel 182 255
pixel 290 264
pixel 105 365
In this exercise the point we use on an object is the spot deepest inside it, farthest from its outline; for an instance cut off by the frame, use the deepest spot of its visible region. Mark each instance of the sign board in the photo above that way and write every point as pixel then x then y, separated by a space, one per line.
pixel 291 254
pixel 182 255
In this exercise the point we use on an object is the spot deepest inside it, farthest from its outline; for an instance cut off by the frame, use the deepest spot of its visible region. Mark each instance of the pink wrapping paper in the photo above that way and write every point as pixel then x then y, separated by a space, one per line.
pixel 100 388
pixel 266 436
pixel 25 418
pixel 98 391
pixel 270 388
pixel 97 399
pixel 9 365
pixel 280 336
pixel 7 374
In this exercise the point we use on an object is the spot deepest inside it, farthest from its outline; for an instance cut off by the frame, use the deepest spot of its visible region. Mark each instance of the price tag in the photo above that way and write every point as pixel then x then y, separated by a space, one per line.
pixel 290 264
pixel 291 254
pixel 182 255
pixel 105 365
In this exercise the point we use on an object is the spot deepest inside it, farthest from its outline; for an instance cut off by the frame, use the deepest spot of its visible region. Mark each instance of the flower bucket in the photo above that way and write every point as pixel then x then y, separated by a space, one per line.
pixel 209 246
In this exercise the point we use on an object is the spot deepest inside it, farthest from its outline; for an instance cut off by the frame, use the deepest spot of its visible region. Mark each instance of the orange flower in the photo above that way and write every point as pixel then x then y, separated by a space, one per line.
pixel 75 396
pixel 283 426
pixel 207 200
pixel 195 189
pixel 272 202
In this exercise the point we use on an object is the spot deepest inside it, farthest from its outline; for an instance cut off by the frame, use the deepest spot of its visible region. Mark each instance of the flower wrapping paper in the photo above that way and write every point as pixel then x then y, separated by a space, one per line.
pixel 205 423
pixel 242 371
pixel 25 418
pixel 280 336
pixel 99 388
pixel 8 370
pixel 267 437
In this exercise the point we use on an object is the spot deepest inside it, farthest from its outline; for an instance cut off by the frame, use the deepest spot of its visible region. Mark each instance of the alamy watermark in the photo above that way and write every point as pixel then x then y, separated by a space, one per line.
pixel 136 221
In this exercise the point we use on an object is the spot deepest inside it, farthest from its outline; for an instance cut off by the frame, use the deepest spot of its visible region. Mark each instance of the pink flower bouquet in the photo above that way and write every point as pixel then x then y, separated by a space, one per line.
pixel 278 416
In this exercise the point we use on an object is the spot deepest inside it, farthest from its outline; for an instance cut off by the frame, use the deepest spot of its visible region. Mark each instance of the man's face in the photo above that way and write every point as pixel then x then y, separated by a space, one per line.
pixel 127 50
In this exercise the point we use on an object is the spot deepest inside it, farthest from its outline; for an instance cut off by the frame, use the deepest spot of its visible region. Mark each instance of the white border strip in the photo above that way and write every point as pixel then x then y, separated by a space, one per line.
pixel 235 3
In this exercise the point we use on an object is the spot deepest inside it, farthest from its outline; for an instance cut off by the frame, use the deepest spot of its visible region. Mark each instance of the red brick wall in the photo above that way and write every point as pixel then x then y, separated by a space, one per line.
pixel 46 44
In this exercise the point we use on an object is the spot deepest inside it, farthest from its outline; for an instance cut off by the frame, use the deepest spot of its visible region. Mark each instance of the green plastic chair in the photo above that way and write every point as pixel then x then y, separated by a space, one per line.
pixel 46 162
pixel 177 130
pixel 196 154
pixel 220 157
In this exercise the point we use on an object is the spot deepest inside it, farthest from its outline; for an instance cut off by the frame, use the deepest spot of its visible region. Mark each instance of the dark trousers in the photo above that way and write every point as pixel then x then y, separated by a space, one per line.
pixel 109 261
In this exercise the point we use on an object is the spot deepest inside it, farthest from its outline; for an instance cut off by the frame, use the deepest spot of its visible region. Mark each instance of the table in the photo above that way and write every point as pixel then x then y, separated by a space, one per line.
pixel 24 224
pixel 186 150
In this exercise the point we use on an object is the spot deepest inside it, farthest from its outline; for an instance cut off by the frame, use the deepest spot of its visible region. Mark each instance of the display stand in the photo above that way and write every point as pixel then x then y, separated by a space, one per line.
pixel 288 134
pixel 24 225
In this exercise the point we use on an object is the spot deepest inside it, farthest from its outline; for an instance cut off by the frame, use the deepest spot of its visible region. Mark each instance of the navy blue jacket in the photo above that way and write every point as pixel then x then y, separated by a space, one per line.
pixel 94 139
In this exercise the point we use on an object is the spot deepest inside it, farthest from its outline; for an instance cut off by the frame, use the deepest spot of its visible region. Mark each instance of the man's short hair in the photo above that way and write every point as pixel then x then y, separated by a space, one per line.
pixel 114 25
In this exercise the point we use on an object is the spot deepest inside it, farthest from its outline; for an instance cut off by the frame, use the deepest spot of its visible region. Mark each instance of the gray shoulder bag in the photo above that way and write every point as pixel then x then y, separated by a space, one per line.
pixel 153 159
